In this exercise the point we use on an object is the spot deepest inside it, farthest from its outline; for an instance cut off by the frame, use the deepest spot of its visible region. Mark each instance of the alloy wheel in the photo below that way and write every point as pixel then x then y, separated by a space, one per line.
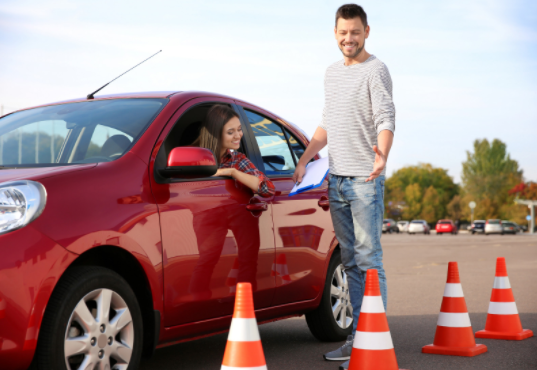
pixel 100 333
pixel 340 298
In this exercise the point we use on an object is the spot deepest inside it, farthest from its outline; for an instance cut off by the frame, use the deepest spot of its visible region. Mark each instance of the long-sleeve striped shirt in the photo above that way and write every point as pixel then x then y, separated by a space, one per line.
pixel 358 106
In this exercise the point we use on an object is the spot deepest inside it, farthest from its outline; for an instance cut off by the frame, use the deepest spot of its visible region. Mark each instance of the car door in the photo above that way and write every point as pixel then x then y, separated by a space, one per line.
pixel 210 240
pixel 303 228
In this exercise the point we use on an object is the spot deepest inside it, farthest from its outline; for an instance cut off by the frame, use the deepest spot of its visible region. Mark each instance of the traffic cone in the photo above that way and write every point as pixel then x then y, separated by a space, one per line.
pixel 503 321
pixel 279 268
pixel 372 348
pixel 243 348
pixel 454 335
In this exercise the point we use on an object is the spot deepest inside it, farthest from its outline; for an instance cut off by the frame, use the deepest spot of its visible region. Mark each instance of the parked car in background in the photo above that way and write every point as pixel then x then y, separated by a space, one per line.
pixel 389 226
pixel 446 227
pixel 477 227
pixel 509 227
pixel 115 238
pixel 493 226
pixel 403 226
pixel 419 226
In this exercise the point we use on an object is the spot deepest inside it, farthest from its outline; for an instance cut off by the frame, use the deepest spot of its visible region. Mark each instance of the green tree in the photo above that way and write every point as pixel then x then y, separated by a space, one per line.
pixel 487 175
pixel 423 176
pixel 413 202
pixel 431 206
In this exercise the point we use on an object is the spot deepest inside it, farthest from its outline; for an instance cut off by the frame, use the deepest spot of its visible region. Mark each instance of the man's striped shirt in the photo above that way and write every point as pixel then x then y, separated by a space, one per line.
pixel 358 106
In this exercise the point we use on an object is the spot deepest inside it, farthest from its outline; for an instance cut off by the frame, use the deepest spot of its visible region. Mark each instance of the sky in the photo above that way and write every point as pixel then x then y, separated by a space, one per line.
pixel 461 70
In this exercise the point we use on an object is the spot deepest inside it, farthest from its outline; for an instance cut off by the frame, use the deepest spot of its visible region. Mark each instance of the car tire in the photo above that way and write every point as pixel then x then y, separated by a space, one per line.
pixel 74 310
pixel 438 233
pixel 321 321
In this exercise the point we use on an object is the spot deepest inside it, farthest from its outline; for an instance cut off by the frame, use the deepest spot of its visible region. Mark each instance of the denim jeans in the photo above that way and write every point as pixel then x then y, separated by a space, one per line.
pixel 357 209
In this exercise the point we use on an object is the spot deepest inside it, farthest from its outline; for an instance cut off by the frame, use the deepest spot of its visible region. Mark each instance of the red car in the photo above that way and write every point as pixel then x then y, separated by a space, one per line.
pixel 445 227
pixel 115 239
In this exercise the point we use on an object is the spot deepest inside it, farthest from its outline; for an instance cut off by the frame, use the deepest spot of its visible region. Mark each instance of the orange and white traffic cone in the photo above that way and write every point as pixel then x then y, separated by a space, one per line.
pixel 503 321
pixel 454 335
pixel 372 348
pixel 231 280
pixel 279 268
pixel 243 349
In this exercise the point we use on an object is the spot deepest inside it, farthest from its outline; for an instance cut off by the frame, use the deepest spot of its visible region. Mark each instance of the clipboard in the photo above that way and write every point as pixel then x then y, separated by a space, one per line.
pixel 314 177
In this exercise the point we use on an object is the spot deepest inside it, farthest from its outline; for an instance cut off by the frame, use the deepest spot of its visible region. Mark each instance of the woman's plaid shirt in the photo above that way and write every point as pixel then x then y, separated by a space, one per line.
pixel 239 161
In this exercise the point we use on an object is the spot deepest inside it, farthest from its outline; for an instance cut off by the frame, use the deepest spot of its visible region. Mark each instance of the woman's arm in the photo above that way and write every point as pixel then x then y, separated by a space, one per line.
pixel 249 180
pixel 246 173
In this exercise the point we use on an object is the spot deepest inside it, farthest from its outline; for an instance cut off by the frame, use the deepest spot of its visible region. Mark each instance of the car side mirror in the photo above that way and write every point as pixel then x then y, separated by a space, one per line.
pixel 190 162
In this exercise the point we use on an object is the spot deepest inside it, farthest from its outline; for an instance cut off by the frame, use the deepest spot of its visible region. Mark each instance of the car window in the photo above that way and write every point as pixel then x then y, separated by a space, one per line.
pixel 107 141
pixel 494 222
pixel 296 146
pixel 82 132
pixel 444 222
pixel 273 145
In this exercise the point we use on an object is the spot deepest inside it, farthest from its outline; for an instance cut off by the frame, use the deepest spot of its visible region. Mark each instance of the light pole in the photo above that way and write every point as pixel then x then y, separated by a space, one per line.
pixel 472 206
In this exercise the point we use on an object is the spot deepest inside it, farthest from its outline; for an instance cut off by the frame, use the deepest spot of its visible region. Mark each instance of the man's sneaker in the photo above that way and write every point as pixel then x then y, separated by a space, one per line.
pixel 342 353
pixel 345 365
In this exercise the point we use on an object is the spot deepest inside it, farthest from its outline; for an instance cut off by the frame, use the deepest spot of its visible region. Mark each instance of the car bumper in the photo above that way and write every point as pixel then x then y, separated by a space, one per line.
pixel 30 266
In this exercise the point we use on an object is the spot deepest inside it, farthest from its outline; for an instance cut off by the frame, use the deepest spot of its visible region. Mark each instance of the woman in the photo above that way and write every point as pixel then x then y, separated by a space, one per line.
pixel 221 132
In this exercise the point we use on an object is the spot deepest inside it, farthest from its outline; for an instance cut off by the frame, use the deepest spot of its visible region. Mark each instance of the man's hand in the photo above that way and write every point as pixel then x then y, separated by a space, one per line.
pixel 300 171
pixel 378 166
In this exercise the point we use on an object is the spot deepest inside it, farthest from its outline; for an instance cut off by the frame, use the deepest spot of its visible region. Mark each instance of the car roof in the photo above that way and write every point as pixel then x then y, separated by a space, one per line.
pixel 136 95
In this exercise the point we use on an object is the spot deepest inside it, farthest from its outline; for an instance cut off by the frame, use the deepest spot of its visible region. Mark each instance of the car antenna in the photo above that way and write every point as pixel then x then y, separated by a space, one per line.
pixel 91 96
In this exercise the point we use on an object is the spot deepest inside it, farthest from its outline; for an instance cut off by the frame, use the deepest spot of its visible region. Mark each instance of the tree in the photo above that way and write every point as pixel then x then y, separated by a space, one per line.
pixel 487 175
pixel 421 177
pixel 431 206
pixel 413 201
pixel 455 208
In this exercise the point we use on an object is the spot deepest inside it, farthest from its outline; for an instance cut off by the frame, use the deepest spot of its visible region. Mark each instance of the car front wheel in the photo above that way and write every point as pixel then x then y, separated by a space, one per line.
pixel 93 321
pixel 332 320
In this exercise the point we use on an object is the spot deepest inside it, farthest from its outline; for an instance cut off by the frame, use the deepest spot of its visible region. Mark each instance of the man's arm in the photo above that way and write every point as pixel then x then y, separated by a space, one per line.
pixel 318 141
pixel 384 141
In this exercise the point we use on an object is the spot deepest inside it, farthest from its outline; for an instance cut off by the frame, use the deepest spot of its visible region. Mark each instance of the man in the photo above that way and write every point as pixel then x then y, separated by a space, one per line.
pixel 357 124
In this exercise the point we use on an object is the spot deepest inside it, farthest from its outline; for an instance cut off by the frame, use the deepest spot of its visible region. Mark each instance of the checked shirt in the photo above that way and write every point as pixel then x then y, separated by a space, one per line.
pixel 239 161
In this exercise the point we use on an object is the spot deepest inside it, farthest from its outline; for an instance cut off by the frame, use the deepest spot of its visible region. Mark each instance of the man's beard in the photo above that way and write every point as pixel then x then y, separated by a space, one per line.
pixel 358 51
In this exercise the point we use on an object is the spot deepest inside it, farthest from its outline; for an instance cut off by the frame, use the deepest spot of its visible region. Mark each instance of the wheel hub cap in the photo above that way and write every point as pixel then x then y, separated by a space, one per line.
pixel 100 333
pixel 340 298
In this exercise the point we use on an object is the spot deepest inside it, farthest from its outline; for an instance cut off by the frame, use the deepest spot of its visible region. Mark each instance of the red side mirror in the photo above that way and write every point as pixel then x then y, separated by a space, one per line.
pixel 190 162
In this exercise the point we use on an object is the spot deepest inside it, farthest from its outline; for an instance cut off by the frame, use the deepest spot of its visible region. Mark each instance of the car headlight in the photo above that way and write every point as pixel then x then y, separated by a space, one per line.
pixel 21 202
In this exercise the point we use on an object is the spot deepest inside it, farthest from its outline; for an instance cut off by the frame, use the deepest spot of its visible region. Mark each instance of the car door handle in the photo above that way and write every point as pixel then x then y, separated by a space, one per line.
pixel 324 203
pixel 257 207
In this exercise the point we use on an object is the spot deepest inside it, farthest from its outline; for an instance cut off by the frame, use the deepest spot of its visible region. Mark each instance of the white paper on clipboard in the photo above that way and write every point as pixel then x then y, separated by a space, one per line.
pixel 315 173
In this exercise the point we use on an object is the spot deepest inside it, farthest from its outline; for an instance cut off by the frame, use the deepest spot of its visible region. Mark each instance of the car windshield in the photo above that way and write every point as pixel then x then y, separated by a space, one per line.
pixel 444 222
pixel 508 224
pixel 84 132
pixel 494 222
pixel 417 222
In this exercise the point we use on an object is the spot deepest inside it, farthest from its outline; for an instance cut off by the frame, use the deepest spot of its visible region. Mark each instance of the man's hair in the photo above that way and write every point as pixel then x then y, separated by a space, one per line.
pixel 212 126
pixel 349 11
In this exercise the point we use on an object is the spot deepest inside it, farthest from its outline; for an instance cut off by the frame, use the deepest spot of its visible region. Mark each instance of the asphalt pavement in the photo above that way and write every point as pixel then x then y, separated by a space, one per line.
pixel 416 267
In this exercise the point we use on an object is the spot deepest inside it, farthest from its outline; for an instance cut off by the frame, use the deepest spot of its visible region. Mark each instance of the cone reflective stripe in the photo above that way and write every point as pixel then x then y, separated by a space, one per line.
pixel 372 347
pixel 503 321
pixel 231 280
pixel 243 349
pixel 454 335
pixel 279 268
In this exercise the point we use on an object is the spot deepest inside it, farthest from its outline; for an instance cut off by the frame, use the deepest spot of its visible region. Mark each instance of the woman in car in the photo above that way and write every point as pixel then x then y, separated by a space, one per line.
pixel 221 132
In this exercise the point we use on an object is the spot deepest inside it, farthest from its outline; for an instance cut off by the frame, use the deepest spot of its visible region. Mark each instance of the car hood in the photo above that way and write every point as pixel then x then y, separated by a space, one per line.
pixel 36 173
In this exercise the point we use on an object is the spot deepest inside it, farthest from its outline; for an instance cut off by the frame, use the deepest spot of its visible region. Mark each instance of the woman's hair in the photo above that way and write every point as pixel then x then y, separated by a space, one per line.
pixel 212 127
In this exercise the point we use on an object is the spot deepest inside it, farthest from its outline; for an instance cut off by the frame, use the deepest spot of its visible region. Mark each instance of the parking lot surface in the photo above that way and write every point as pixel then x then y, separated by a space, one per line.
pixel 416 267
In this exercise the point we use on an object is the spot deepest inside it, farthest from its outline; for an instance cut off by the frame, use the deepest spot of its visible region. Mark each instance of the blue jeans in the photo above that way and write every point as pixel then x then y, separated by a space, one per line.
pixel 357 209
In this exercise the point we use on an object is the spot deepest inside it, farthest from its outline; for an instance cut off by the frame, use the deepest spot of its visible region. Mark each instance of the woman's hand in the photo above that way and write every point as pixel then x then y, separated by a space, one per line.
pixel 224 172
